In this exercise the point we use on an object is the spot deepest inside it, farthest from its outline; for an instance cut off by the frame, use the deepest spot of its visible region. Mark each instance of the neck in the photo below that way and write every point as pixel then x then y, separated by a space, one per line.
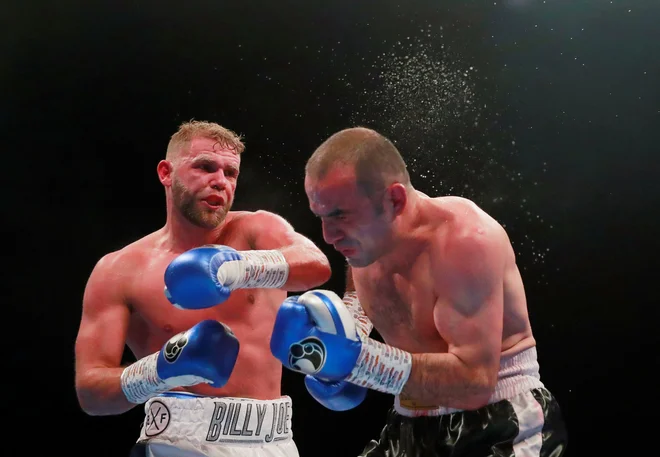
pixel 405 228
pixel 180 235
pixel 411 217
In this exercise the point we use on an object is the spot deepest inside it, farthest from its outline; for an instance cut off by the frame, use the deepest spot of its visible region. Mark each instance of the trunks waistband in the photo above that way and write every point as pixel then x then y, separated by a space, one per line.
pixel 180 417
pixel 518 373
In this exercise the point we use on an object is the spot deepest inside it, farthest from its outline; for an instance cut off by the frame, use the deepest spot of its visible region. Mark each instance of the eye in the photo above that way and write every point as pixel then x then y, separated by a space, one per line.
pixel 207 167
pixel 231 172
pixel 334 217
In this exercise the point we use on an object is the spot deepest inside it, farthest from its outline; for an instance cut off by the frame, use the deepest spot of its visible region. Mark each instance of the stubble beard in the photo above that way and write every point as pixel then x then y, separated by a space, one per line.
pixel 192 210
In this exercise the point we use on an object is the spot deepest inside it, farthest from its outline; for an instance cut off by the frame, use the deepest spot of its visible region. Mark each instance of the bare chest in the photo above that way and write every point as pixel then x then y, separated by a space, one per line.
pixel 154 320
pixel 400 304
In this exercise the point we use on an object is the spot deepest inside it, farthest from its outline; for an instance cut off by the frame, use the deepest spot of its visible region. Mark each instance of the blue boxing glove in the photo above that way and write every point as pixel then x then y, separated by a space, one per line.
pixel 335 395
pixel 315 334
pixel 191 279
pixel 205 276
pixel 206 353
pixel 304 348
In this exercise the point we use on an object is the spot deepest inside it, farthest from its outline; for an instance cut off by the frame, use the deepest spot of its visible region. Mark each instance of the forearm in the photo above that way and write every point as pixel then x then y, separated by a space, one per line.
pixel 308 267
pixel 427 379
pixel 291 268
pixel 445 380
pixel 100 393
pixel 350 283
pixel 352 302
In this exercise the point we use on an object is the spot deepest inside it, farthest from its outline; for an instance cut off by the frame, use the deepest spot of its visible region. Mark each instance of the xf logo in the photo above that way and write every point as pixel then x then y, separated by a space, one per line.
pixel 157 420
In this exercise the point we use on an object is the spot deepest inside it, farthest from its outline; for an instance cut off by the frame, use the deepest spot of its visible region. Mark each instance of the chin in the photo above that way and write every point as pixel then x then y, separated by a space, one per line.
pixel 358 262
pixel 207 220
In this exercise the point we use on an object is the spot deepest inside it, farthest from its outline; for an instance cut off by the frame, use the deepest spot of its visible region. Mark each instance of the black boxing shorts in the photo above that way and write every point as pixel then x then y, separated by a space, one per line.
pixel 523 419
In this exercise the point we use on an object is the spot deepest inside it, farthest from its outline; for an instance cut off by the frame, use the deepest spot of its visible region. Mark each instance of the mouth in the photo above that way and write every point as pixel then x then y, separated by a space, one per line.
pixel 214 201
pixel 346 252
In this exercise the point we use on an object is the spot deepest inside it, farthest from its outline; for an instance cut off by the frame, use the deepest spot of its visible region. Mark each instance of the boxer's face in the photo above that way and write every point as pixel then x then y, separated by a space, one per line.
pixel 204 181
pixel 354 224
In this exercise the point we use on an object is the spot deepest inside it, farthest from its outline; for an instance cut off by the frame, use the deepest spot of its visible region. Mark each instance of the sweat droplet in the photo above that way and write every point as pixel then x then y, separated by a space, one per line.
pixel 447 122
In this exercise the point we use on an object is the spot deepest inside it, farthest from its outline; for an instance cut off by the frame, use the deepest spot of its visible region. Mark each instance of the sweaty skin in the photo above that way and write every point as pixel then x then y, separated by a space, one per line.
pixel 416 298
pixel 437 277
pixel 124 303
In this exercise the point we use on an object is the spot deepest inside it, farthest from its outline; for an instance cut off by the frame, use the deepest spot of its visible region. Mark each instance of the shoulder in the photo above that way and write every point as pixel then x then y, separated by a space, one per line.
pixel 126 260
pixel 111 278
pixel 471 239
pixel 468 224
pixel 258 220
pixel 257 227
pixel 107 281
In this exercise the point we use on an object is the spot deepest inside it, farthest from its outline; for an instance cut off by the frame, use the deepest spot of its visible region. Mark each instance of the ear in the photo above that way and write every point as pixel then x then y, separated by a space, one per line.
pixel 164 170
pixel 397 198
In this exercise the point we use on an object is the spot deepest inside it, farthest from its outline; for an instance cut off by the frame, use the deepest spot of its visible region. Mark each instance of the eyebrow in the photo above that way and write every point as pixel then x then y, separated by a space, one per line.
pixel 204 158
pixel 333 213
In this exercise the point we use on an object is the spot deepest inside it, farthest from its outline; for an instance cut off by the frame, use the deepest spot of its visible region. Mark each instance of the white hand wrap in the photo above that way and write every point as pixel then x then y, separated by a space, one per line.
pixel 140 381
pixel 259 269
pixel 381 367
pixel 362 322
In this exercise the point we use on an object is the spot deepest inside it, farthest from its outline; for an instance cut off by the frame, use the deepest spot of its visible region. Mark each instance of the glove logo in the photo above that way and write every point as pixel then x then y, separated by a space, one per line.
pixel 174 346
pixel 307 356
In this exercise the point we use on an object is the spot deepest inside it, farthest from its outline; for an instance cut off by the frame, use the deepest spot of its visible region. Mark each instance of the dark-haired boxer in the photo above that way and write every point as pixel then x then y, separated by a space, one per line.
pixel 437 278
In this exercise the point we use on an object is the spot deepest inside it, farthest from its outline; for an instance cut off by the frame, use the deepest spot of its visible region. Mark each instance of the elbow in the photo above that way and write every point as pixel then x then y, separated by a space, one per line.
pixel 478 400
pixel 89 411
pixel 86 404
pixel 308 268
pixel 483 387
pixel 89 401
pixel 91 407
pixel 324 272
pixel 318 271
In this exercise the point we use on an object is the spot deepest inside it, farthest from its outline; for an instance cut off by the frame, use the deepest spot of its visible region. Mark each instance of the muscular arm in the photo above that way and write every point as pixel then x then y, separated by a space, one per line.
pixel 471 323
pixel 100 344
pixel 308 266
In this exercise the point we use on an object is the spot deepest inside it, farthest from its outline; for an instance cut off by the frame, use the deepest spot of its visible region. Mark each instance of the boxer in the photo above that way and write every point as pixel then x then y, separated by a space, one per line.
pixel 194 302
pixel 437 278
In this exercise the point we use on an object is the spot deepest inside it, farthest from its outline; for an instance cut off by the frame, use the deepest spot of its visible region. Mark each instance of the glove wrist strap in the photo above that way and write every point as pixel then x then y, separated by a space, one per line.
pixel 381 367
pixel 260 269
pixel 140 381
pixel 362 322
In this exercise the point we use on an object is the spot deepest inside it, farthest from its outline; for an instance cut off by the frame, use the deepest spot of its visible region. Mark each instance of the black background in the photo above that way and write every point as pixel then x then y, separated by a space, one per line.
pixel 557 138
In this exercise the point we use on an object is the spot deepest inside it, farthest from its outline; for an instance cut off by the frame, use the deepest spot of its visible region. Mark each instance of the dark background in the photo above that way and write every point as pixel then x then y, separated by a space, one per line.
pixel 546 113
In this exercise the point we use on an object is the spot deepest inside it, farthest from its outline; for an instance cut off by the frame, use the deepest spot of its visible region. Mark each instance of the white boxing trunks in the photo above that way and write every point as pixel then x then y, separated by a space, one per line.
pixel 184 425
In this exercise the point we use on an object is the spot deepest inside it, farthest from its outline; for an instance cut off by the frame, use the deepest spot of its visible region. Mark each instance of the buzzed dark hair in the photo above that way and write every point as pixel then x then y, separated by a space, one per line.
pixel 377 162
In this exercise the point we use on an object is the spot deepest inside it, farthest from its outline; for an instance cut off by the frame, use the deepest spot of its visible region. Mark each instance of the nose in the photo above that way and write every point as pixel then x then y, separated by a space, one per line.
pixel 218 181
pixel 331 234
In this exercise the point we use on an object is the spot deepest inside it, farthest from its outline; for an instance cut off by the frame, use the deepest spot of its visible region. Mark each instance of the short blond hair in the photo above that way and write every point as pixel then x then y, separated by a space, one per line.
pixel 203 129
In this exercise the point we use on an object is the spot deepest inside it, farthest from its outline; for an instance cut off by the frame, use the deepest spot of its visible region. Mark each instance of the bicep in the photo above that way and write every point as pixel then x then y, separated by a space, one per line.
pixel 475 336
pixel 470 318
pixel 104 322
